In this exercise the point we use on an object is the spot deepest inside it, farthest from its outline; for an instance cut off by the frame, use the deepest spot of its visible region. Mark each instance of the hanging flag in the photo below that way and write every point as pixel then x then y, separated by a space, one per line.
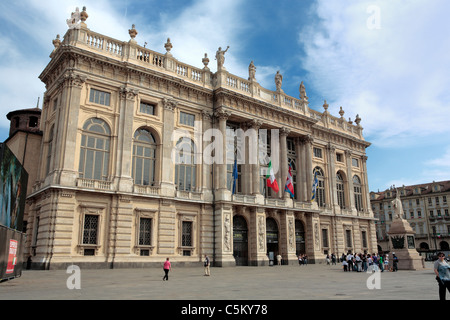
pixel 289 183
pixel 314 187
pixel 235 175
pixel 271 181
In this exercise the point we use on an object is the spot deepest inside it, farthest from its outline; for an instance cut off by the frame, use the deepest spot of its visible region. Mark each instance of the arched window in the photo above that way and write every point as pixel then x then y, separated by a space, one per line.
pixel 320 190
pixel 185 170
pixel 144 157
pixel 357 190
pixel 340 190
pixel 94 152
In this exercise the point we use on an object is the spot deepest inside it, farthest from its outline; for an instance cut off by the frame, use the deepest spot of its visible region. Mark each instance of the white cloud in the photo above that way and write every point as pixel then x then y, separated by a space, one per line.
pixel 395 78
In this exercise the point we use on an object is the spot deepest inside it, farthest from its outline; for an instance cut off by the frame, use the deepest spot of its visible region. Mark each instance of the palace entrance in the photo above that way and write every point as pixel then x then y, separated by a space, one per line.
pixel 299 238
pixel 240 241
pixel 272 239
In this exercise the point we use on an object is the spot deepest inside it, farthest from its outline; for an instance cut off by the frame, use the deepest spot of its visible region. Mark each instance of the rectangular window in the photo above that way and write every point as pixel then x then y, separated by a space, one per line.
pixel 355 162
pixel 317 152
pixel 100 97
pixel 90 230
pixel 147 108
pixel 348 238
pixel 325 238
pixel 419 214
pixel 339 157
pixel 187 118
pixel 145 225
pixel 364 239
pixel 186 234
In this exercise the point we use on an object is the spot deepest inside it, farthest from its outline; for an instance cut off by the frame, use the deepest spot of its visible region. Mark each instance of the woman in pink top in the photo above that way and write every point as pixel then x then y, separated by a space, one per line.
pixel 167 267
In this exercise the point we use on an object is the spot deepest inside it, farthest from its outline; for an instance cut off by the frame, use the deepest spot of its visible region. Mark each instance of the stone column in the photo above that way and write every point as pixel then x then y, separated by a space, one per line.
pixel 257 231
pixel 331 150
pixel 366 190
pixel 67 136
pixel 308 165
pixel 224 235
pixel 125 139
pixel 287 237
pixel 167 165
pixel 256 172
pixel 301 171
pixel 351 194
pixel 284 132
pixel 206 167
pixel 222 116
pixel 313 249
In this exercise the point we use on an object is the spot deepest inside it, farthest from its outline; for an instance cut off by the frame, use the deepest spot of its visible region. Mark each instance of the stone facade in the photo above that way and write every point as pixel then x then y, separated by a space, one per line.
pixel 425 207
pixel 111 193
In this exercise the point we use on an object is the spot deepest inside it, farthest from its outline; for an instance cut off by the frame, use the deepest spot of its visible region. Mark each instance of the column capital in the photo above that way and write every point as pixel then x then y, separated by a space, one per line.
pixel 284 132
pixel 307 139
pixel 254 124
pixel 169 104
pixel 222 114
pixel 128 93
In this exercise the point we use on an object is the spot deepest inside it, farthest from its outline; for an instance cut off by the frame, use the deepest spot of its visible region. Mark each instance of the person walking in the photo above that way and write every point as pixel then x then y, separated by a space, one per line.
pixel 167 267
pixel 206 264
pixel 394 262
pixel 442 271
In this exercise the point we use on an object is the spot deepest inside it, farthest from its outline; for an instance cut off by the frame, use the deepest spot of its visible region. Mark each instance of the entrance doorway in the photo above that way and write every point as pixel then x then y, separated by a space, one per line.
pixel 272 239
pixel 240 241
pixel 299 238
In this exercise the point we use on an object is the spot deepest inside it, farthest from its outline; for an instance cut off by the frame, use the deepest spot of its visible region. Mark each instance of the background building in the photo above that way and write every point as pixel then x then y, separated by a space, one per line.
pixel 124 179
pixel 425 207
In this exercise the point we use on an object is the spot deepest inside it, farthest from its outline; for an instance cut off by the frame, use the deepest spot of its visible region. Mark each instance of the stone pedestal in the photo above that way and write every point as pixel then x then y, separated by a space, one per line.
pixel 402 240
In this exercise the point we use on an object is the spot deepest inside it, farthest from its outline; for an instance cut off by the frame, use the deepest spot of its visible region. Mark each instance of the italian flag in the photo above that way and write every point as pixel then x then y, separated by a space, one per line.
pixel 271 181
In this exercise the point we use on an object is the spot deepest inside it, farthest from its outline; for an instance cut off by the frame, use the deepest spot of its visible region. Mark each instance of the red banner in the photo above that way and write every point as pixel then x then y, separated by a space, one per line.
pixel 12 256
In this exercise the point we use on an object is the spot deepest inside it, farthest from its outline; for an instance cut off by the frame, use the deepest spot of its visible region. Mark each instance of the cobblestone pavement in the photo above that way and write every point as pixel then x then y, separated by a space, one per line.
pixel 312 282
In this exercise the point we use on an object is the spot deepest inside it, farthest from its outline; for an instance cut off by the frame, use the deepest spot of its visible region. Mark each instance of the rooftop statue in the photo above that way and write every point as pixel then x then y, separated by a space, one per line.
pixel 220 57
pixel 302 92
pixel 251 71
pixel 74 20
pixel 278 80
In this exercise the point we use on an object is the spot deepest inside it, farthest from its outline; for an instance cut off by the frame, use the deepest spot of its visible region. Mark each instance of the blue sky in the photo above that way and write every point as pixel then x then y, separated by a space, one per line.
pixel 386 60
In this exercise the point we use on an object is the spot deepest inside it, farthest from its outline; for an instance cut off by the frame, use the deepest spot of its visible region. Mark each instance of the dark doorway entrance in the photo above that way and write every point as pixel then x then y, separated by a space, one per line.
pixel 272 239
pixel 299 238
pixel 240 241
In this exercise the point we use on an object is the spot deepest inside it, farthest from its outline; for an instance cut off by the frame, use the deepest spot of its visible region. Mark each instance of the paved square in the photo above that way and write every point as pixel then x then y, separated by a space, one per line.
pixel 312 282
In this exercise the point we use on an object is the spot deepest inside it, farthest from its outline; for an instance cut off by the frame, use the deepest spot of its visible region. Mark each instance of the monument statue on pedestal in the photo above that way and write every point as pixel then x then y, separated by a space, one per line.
pixel 402 239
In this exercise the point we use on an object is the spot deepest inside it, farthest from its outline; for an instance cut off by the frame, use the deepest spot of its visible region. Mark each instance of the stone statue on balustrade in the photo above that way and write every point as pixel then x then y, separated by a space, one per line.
pixel 251 72
pixel 220 57
pixel 303 92
pixel 278 81
pixel 74 20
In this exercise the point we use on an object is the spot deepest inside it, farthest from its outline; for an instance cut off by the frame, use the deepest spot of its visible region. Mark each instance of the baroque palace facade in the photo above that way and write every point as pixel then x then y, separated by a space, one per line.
pixel 110 192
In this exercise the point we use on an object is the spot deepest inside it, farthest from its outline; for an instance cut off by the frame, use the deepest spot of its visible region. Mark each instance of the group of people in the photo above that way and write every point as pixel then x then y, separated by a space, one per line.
pixel 168 266
pixel 361 262
pixel 303 259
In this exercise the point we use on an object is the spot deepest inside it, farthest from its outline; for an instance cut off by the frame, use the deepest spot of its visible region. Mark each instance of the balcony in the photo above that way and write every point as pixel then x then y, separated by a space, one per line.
pixel 94 184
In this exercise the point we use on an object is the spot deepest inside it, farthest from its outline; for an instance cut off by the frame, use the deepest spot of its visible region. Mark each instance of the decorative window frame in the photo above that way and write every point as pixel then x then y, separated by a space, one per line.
pixel 149 214
pixel 187 217
pixel 90 209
